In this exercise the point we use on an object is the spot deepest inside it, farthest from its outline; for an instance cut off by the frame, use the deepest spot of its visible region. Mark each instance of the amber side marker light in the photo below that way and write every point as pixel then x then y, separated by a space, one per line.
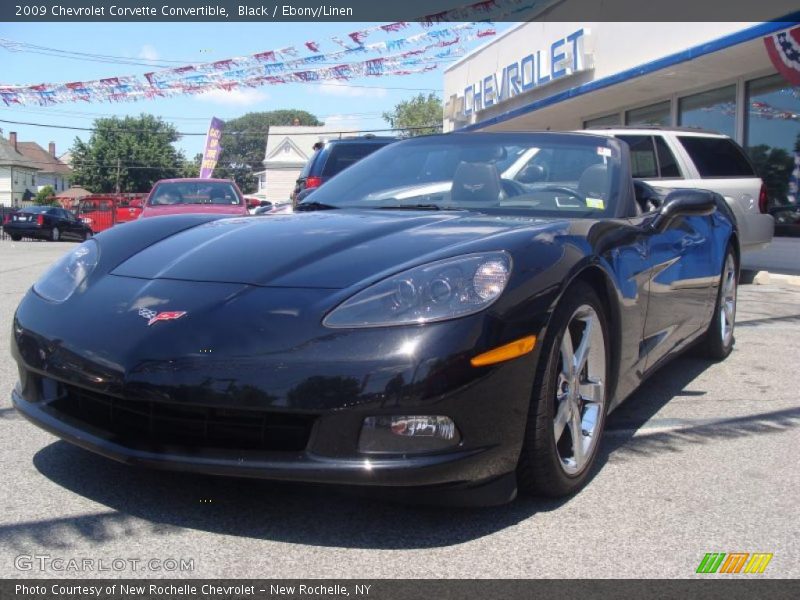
pixel 505 352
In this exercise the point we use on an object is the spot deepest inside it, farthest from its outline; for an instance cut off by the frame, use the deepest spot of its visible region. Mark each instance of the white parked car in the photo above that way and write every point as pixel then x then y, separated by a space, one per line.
pixel 669 158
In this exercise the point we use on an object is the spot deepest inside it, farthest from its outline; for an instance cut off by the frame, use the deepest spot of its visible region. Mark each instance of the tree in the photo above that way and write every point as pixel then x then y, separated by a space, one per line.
pixel 419 112
pixel 243 142
pixel 774 166
pixel 131 153
pixel 46 195
pixel 191 168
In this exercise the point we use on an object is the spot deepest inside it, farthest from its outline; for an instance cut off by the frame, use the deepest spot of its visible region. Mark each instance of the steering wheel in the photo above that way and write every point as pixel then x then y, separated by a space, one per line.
pixel 512 188
pixel 566 190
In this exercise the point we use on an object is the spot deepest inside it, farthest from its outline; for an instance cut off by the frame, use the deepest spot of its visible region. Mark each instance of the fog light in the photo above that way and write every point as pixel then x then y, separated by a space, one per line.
pixel 407 434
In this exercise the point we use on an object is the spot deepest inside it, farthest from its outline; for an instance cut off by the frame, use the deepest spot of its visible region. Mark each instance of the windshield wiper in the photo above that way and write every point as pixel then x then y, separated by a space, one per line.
pixel 309 206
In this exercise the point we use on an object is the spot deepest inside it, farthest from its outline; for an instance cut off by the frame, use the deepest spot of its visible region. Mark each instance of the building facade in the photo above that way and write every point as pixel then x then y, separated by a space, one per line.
pixel 52 171
pixel 18 175
pixel 568 76
pixel 287 152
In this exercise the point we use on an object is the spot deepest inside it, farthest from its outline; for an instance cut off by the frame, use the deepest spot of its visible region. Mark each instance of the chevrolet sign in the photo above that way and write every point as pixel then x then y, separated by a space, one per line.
pixel 564 57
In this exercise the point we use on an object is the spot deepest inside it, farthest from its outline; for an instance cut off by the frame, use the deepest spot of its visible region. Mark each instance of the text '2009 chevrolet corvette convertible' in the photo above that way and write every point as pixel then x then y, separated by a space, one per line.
pixel 425 321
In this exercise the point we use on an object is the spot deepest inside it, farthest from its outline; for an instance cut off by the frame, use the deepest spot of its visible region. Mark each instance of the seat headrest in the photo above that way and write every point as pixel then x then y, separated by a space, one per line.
pixel 594 181
pixel 476 182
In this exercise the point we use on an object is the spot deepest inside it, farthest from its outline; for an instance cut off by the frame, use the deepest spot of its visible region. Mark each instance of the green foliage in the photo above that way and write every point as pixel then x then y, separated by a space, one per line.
pixel 46 195
pixel 244 140
pixel 774 166
pixel 420 111
pixel 142 146
pixel 191 168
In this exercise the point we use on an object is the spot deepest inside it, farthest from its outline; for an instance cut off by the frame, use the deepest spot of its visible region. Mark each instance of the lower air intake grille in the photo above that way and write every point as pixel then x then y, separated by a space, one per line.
pixel 147 424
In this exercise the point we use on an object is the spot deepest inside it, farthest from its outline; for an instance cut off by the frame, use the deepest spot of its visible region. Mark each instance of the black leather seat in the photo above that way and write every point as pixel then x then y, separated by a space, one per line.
pixel 476 182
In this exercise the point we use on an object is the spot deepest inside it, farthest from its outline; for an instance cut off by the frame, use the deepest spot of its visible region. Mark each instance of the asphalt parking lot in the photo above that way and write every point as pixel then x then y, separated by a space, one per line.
pixel 703 458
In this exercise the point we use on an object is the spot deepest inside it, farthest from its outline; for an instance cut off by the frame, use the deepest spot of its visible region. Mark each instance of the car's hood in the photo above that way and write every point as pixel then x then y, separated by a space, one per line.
pixel 182 209
pixel 324 249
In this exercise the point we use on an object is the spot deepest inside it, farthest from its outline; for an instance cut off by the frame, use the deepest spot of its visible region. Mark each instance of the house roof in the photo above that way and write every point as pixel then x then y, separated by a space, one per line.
pixel 42 158
pixel 301 140
pixel 74 192
pixel 9 156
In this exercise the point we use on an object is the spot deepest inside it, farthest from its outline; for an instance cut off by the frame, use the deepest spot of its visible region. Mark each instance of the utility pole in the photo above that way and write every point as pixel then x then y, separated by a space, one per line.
pixel 118 165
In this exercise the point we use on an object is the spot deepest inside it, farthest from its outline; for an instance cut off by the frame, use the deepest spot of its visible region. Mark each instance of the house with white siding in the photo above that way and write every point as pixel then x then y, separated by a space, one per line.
pixel 52 171
pixel 18 174
pixel 287 152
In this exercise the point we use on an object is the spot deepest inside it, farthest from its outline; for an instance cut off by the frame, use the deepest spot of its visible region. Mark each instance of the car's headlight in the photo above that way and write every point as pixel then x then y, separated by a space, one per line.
pixel 64 277
pixel 445 289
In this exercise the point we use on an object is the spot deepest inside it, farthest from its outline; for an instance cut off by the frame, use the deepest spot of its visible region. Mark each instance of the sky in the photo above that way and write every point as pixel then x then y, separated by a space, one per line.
pixel 340 104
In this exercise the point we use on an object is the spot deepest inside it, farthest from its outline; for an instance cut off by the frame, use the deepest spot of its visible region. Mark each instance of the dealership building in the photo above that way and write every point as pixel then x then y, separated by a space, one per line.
pixel 565 76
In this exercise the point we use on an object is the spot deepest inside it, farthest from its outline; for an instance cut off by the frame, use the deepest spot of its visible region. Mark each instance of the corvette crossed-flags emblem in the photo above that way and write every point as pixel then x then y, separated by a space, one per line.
pixel 153 316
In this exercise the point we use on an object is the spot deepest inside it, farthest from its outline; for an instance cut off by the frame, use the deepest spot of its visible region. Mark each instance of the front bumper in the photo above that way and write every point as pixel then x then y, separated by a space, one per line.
pixel 455 467
pixel 241 351
pixel 333 380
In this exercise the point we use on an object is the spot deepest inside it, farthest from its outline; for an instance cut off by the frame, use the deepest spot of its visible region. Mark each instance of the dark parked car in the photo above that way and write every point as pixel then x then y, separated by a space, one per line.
pixel 333 157
pixel 45 222
pixel 461 341
pixel 787 219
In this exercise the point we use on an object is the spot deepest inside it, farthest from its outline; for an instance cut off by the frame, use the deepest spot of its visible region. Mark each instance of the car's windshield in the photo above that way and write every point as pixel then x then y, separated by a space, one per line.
pixel 547 173
pixel 194 192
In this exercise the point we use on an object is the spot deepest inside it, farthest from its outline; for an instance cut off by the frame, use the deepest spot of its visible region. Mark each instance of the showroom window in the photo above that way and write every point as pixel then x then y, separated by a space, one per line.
pixel 606 121
pixel 654 114
pixel 772 136
pixel 714 110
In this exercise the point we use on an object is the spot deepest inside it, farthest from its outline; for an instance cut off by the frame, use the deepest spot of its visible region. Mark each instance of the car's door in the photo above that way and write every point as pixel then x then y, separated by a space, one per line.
pixel 76 226
pixel 680 278
pixel 58 218
pixel 53 218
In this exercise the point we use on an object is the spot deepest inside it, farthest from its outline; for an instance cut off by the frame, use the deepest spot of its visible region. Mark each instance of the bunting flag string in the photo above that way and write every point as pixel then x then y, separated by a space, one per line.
pixel 259 69
pixel 285 65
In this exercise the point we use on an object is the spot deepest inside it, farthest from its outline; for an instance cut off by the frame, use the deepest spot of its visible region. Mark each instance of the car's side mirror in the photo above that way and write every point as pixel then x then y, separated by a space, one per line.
pixel 684 203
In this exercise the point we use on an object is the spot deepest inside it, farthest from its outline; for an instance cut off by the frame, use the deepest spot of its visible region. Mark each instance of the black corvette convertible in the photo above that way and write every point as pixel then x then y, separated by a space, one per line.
pixel 424 322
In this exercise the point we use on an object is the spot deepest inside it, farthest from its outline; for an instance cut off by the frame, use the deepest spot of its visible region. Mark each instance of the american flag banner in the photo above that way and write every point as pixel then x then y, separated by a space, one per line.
pixel 784 52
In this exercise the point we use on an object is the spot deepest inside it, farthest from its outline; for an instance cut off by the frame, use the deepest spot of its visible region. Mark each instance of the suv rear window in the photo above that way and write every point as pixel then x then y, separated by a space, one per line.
pixel 717 157
pixel 344 155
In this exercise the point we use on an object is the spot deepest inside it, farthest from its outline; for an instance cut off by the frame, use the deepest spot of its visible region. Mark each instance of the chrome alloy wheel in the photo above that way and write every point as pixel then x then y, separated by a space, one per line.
pixel 580 390
pixel 727 300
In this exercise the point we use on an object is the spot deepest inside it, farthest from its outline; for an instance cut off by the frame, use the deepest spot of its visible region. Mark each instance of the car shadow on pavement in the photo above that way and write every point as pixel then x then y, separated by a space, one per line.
pixel 321 516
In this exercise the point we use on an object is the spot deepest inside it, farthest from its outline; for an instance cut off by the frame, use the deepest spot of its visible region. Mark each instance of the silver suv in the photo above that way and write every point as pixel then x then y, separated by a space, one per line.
pixel 675 158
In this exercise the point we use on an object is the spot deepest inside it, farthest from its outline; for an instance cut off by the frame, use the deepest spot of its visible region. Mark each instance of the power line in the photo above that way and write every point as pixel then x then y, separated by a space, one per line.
pixel 94 115
pixel 203 133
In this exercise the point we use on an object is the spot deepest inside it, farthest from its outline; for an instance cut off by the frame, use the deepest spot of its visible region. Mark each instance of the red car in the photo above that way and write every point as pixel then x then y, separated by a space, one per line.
pixel 101 211
pixel 181 196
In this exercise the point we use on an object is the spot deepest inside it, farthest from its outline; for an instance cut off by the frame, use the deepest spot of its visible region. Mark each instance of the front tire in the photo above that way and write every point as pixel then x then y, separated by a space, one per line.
pixel 16 238
pixel 719 339
pixel 569 403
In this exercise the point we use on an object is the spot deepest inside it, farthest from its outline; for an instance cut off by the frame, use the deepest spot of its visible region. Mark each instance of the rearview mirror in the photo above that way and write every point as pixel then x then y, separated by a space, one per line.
pixel 684 203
